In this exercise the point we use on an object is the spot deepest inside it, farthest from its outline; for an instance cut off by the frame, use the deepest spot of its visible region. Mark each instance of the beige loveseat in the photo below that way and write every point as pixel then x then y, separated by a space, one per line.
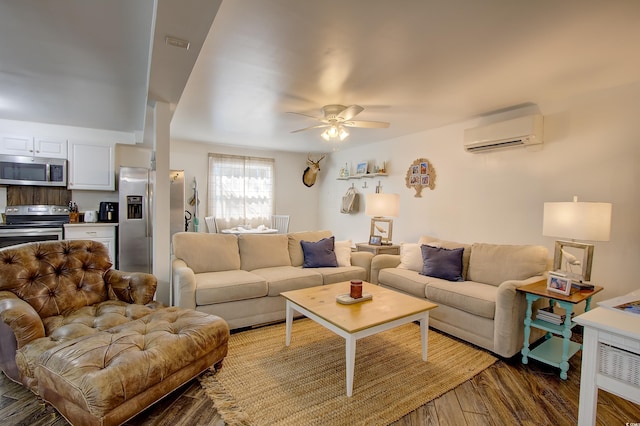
pixel 484 308
pixel 240 278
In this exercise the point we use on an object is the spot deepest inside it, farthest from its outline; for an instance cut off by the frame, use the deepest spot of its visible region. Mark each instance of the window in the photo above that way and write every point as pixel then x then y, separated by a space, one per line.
pixel 241 189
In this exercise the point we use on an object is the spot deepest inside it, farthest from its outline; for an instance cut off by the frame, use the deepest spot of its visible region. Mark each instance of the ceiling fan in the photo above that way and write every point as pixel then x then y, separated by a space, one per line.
pixel 336 118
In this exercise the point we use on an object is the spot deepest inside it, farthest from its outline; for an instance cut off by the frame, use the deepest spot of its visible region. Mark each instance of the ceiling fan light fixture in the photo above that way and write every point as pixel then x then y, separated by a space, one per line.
pixel 335 133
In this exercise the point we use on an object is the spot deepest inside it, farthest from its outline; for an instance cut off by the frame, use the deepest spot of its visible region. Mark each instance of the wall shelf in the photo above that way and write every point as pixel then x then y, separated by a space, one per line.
pixel 368 175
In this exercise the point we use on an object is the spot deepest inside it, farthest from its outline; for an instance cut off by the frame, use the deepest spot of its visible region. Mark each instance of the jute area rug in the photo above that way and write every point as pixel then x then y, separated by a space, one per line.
pixel 264 382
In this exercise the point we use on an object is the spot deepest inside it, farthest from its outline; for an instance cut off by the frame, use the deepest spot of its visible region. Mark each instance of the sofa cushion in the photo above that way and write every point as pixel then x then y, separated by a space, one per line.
pixel 204 252
pixel 442 263
pixel 285 278
pixel 319 254
pixel 295 249
pixel 263 251
pixel 227 286
pixel 494 264
pixel 341 274
pixel 475 298
pixel 436 242
pixel 410 257
pixel 343 252
pixel 404 280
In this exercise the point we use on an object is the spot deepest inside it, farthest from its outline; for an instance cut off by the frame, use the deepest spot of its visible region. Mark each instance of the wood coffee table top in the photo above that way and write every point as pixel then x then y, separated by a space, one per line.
pixel 386 305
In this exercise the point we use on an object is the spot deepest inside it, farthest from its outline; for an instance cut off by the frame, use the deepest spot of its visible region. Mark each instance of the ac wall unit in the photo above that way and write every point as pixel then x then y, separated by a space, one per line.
pixel 522 131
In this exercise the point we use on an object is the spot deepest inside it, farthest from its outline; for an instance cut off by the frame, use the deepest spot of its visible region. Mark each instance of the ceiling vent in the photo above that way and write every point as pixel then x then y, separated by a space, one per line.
pixel 522 131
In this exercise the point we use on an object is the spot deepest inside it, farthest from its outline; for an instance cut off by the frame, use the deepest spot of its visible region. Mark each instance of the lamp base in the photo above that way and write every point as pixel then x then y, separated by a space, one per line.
pixel 560 256
pixel 383 228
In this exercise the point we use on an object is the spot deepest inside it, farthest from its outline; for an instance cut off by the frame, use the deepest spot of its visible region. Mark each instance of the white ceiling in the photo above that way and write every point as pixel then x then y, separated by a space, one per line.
pixel 418 64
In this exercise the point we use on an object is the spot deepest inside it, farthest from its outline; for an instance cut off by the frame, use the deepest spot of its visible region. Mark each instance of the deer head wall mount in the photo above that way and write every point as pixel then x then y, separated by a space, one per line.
pixel 311 172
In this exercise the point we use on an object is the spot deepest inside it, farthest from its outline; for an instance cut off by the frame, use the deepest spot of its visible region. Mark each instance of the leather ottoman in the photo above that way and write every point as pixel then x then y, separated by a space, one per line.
pixel 107 377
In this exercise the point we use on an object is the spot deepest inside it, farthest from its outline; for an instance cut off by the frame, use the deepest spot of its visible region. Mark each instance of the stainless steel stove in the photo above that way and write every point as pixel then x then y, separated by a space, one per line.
pixel 30 223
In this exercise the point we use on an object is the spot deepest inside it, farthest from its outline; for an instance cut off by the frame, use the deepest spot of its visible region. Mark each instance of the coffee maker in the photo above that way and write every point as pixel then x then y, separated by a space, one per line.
pixel 108 212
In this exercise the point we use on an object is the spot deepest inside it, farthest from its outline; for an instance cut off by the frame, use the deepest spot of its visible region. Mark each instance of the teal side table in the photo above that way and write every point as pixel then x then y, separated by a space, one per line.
pixel 557 348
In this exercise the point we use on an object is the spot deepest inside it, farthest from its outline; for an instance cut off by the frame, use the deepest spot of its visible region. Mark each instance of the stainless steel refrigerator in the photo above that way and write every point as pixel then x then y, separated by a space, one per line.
pixel 135 230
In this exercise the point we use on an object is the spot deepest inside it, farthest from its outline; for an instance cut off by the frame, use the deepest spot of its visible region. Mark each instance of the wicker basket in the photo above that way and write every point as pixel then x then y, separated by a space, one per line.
pixel 620 364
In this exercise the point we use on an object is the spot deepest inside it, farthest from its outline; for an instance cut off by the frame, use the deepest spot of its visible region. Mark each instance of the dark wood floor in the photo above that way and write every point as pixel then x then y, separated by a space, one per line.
pixel 507 393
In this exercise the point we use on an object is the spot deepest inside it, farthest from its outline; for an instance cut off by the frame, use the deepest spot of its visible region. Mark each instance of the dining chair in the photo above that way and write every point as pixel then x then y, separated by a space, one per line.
pixel 221 223
pixel 211 224
pixel 280 222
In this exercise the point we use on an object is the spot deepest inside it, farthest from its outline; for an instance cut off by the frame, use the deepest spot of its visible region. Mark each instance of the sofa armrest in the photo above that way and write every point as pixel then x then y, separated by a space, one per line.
pixel 131 287
pixel 380 262
pixel 20 316
pixel 511 306
pixel 184 284
pixel 363 260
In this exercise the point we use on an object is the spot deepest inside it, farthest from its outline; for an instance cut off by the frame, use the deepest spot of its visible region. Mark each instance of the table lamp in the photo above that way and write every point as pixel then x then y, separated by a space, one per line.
pixel 576 221
pixel 379 205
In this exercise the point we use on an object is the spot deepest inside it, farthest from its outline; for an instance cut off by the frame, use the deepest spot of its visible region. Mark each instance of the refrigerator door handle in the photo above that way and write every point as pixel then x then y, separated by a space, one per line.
pixel 147 206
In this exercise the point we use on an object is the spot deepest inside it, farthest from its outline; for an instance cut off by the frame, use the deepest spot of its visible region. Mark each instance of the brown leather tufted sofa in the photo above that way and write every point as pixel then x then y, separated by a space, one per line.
pixel 89 339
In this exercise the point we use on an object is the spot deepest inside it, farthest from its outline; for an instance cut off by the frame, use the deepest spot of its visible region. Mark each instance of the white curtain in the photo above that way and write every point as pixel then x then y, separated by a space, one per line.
pixel 240 189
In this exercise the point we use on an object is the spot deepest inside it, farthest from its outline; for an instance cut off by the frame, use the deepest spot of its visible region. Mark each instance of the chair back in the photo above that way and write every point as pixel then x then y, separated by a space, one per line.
pixel 56 276
pixel 280 222
pixel 211 224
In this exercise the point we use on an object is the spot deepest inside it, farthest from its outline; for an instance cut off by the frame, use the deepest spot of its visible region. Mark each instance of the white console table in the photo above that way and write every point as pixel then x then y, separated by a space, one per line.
pixel 610 359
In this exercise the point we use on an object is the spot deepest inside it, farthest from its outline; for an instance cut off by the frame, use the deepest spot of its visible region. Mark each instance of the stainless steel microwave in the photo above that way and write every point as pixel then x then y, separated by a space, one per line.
pixel 25 170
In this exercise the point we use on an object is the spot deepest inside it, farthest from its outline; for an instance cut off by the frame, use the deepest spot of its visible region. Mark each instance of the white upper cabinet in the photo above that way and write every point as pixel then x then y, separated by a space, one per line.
pixel 92 166
pixel 33 146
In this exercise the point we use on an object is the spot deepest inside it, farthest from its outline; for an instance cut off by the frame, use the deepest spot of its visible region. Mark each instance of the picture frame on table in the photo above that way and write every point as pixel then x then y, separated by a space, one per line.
pixel 361 168
pixel 375 240
pixel 559 283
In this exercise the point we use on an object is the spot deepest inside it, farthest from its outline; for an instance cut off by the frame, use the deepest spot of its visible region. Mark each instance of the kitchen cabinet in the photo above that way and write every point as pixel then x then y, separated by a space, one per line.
pixel 91 166
pixel 33 146
pixel 104 233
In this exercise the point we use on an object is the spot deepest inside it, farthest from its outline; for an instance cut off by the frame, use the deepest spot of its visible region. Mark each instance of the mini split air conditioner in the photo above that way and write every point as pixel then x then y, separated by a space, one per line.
pixel 522 131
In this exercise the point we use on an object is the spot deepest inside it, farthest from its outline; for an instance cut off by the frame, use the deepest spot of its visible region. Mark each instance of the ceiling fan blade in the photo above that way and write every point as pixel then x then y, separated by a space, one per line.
pixel 307 115
pixel 349 112
pixel 317 126
pixel 367 124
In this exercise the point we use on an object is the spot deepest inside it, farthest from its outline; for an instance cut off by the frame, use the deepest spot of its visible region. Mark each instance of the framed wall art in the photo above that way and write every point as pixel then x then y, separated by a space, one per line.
pixel 421 174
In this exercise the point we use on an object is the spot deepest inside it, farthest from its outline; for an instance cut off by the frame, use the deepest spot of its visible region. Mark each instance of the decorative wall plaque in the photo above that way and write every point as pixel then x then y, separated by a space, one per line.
pixel 421 174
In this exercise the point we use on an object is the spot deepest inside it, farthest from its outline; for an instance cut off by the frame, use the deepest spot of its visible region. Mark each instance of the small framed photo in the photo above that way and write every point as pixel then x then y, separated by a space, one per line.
pixel 558 283
pixel 361 169
pixel 375 240
pixel 424 168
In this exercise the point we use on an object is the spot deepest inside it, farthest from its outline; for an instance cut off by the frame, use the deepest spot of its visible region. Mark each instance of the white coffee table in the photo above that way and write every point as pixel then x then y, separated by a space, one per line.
pixel 388 309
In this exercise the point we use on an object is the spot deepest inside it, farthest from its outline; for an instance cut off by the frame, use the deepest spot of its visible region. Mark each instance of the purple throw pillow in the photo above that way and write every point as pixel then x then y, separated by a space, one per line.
pixel 442 263
pixel 319 254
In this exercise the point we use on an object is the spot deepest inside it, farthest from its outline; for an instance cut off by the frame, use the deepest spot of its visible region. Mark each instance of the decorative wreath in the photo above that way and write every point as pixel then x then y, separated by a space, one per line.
pixel 421 174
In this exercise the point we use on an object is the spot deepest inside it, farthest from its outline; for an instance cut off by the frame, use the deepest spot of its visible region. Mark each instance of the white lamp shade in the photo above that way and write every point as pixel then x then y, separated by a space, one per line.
pixel 577 220
pixel 380 204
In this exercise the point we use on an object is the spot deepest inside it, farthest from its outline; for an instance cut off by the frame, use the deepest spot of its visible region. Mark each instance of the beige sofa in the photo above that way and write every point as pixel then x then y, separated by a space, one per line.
pixel 484 309
pixel 240 278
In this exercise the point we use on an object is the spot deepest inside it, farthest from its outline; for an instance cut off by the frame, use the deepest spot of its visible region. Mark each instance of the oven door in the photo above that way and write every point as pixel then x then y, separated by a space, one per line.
pixel 10 237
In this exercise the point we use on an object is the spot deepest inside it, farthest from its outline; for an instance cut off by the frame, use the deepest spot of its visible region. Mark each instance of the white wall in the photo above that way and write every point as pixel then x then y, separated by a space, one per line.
pixel 291 197
pixel 592 149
